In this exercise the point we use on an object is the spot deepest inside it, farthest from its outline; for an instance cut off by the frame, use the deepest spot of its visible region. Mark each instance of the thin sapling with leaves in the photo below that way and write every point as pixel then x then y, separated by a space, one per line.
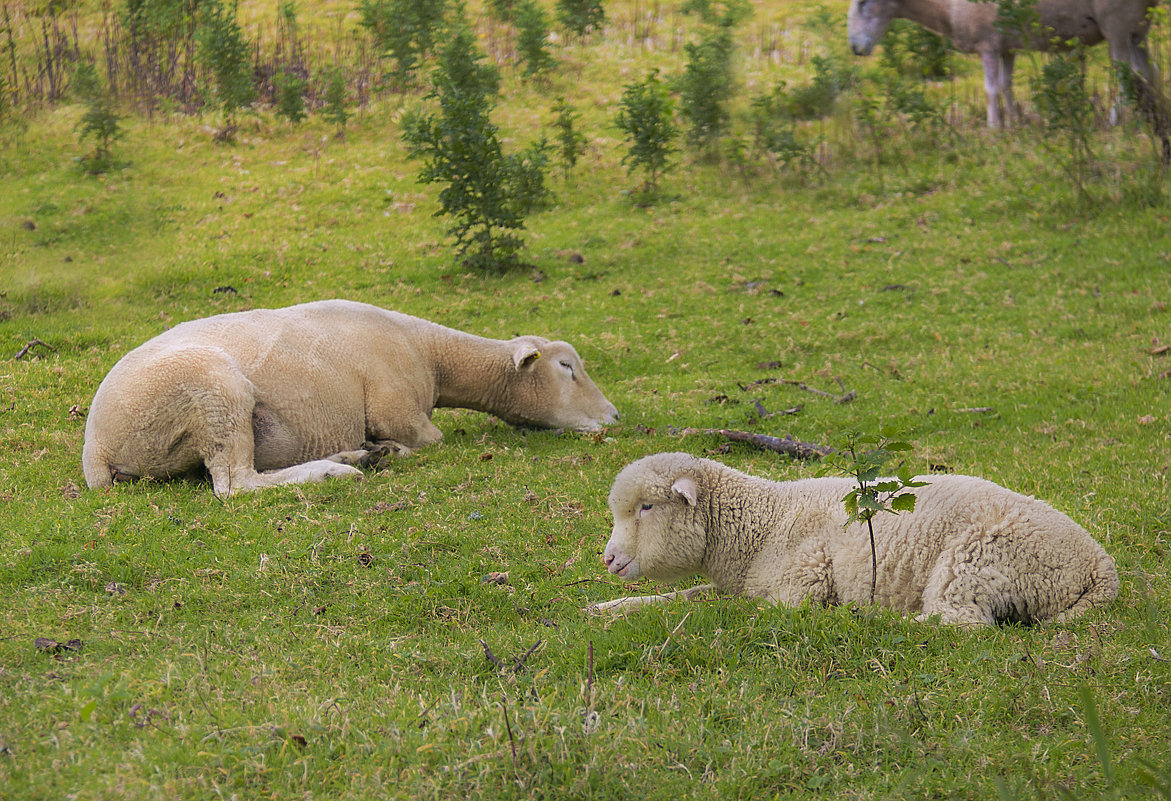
pixel 863 457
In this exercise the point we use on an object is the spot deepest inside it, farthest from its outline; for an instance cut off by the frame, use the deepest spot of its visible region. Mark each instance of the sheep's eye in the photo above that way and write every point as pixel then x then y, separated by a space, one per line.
pixel 646 507
pixel 568 367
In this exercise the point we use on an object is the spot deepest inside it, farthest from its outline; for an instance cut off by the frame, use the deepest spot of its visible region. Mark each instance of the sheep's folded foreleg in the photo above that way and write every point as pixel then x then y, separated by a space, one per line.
pixel 635 601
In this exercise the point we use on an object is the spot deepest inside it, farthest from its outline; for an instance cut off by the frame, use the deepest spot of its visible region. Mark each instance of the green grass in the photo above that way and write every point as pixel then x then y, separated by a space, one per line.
pixel 331 640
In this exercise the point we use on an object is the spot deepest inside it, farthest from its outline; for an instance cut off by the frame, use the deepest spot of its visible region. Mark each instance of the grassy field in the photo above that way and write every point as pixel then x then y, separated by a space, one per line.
pixel 342 640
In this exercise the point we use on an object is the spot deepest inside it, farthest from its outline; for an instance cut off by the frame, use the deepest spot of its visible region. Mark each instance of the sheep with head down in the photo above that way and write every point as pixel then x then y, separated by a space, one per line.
pixel 972 552
pixel 279 396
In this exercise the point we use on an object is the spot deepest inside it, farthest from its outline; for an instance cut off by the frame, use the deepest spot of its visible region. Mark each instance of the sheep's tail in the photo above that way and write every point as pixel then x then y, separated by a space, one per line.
pixel 97 470
pixel 1101 587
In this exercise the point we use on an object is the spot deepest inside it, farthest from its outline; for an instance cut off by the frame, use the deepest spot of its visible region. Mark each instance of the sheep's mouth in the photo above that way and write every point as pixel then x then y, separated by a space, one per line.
pixel 627 569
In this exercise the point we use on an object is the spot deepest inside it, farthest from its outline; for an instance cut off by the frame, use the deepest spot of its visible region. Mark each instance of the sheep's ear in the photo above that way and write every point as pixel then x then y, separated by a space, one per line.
pixel 686 489
pixel 525 355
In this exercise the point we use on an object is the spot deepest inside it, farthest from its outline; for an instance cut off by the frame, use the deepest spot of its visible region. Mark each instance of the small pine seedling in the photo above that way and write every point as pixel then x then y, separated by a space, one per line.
pixel 334 110
pixel 290 96
pixel 646 116
pixel 571 142
pixel 99 122
pixel 532 37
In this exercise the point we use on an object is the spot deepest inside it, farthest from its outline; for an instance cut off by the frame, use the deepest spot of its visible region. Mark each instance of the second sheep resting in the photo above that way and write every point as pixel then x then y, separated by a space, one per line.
pixel 972 552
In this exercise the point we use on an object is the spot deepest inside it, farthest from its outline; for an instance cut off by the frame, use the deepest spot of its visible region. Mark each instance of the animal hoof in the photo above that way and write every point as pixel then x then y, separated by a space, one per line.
pixel 343 471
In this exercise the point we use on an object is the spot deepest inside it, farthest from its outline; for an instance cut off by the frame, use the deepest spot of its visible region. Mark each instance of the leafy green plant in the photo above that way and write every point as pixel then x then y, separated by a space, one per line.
pixel 7 106
pixel 571 143
pixel 1148 97
pixel 1064 100
pixel 532 37
pixel 728 13
pixel 913 51
pixel 223 49
pixel 907 97
pixel 774 132
pixel 581 17
pixel 817 99
pixel 290 96
pixel 503 10
pixel 863 457
pixel 706 85
pixel 486 193
pixel 646 117
pixel 1017 17
pixel 526 173
pixel 99 122
pixel 405 31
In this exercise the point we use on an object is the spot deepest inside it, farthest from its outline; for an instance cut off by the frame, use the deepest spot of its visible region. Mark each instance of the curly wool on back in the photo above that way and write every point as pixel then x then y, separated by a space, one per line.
pixel 972 552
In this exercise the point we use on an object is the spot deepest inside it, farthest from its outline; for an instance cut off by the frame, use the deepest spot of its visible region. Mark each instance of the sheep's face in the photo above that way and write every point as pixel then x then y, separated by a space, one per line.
pixel 658 531
pixel 552 390
pixel 866 22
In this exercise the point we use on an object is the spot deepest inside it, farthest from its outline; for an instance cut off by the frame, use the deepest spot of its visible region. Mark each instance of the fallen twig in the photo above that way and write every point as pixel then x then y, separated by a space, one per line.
pixel 674 631
pixel 845 397
pixel 806 387
pixel 975 410
pixel 590 679
pixel 20 354
pixel 786 445
pixel 520 663
pixel 764 414
pixel 491 656
pixel 508 725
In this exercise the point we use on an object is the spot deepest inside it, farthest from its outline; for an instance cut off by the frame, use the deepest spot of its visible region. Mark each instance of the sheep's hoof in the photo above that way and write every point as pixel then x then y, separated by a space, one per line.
pixel 343 471
pixel 377 452
pixel 354 458
pixel 371 454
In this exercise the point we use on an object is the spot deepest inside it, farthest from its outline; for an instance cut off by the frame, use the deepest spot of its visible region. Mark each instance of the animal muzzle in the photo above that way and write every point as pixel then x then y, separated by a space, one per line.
pixel 608 415
pixel 619 563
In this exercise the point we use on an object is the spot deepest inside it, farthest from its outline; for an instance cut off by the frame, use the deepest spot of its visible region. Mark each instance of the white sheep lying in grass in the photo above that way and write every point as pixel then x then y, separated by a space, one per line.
pixel 971 552
pixel 279 396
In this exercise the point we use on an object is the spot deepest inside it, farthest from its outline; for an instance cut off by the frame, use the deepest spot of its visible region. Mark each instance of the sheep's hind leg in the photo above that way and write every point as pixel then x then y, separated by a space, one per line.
pixel 228 479
pixel 304 473
pixel 635 601
pixel 962 592
pixel 227 443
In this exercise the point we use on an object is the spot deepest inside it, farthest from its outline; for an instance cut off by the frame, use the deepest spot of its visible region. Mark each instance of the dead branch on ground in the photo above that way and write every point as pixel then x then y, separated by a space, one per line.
pixel 20 354
pixel 785 445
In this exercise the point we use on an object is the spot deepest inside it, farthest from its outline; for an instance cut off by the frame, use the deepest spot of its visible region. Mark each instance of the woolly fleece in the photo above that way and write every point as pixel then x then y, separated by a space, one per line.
pixel 971 552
